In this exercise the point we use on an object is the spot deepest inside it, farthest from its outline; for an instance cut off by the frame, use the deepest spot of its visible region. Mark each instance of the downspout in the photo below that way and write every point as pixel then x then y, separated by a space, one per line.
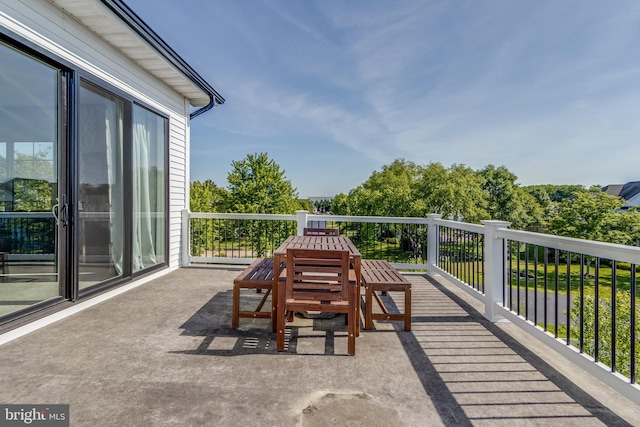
pixel 212 103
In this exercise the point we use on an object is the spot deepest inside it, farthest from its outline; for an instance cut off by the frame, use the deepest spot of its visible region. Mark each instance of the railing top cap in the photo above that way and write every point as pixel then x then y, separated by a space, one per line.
pixel 495 222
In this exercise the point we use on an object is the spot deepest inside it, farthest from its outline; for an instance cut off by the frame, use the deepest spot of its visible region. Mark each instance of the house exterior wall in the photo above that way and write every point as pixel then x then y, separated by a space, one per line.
pixel 44 25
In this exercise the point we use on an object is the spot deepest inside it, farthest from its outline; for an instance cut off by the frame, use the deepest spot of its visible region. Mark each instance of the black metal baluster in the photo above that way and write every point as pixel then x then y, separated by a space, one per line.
pixel 482 258
pixel 458 255
pixel 546 285
pixel 510 243
pixel 568 287
pixel 472 252
pixel 518 278
pixel 596 319
pixel 557 278
pixel 614 274
pixel 632 374
pixel 535 285
pixel 581 303
pixel 526 281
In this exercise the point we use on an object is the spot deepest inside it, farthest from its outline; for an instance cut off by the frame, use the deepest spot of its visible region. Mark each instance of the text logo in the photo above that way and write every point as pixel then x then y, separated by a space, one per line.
pixel 34 415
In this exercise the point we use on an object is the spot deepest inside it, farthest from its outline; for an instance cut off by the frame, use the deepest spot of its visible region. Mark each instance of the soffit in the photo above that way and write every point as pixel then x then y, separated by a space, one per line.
pixel 95 16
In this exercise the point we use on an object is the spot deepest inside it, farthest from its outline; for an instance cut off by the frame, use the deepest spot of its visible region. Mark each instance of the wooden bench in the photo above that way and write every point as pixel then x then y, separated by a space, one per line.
pixel 378 275
pixel 258 276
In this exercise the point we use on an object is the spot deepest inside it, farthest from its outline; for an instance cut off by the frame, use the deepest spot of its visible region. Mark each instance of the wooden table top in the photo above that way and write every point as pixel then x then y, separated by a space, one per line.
pixel 339 243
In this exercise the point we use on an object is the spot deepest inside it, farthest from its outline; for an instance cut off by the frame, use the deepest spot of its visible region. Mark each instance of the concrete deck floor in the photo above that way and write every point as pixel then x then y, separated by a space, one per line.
pixel 164 353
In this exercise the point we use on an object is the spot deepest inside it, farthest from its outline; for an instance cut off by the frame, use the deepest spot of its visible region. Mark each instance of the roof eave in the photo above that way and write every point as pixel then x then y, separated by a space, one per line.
pixel 145 48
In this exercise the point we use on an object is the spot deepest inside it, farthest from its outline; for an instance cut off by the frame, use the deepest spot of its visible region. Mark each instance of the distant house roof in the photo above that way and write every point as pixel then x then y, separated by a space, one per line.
pixel 118 25
pixel 629 192
pixel 613 190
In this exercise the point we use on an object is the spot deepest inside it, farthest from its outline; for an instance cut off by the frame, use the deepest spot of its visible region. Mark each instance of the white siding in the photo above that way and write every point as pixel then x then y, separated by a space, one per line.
pixel 44 25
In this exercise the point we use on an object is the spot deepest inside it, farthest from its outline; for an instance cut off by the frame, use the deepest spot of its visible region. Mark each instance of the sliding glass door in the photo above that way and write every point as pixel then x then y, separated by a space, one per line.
pixel 32 106
pixel 83 184
pixel 100 204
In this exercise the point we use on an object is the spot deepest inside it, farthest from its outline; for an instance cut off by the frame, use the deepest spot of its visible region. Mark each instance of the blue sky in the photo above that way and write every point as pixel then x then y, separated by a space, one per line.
pixel 333 90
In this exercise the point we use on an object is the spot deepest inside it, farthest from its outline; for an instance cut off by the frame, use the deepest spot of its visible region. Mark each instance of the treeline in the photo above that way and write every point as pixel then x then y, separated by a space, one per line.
pixel 256 184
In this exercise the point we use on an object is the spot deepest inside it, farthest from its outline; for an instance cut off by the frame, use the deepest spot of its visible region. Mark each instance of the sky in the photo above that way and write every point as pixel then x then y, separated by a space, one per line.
pixel 333 90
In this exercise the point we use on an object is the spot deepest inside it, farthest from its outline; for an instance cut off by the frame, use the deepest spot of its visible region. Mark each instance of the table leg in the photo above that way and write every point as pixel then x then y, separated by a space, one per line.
pixel 277 260
pixel 357 262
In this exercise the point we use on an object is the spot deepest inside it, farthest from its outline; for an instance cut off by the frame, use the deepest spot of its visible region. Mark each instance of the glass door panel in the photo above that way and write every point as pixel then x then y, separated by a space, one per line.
pixel 148 160
pixel 29 148
pixel 100 205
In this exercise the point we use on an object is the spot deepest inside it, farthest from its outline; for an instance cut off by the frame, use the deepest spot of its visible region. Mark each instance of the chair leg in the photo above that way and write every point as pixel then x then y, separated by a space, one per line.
pixel 353 322
pixel 274 304
pixel 235 310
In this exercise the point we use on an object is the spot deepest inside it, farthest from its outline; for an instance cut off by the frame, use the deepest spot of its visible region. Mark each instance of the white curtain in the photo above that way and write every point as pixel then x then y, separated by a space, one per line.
pixel 113 139
pixel 148 189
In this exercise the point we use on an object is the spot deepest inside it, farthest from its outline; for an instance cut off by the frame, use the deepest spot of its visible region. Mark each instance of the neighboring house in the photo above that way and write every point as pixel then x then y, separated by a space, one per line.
pixel 97 107
pixel 630 192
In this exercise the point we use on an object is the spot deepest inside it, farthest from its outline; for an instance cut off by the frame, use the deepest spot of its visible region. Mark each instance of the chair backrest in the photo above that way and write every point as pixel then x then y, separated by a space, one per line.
pixel 321 232
pixel 317 275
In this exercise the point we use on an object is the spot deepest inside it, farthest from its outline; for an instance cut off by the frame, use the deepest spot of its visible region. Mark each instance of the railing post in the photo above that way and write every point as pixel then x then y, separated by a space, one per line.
pixel 185 253
pixel 301 217
pixel 432 242
pixel 494 268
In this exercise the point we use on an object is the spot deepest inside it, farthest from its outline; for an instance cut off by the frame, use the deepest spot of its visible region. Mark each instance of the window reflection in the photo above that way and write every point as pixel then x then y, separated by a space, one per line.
pixel 28 180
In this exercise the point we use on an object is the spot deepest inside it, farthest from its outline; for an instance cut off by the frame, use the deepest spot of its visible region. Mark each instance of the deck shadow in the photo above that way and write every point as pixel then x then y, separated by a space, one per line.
pixel 445 382
pixel 212 322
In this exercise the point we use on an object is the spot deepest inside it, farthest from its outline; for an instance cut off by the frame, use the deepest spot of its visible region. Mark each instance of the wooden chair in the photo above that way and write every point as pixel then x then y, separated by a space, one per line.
pixel 321 232
pixel 258 276
pixel 318 280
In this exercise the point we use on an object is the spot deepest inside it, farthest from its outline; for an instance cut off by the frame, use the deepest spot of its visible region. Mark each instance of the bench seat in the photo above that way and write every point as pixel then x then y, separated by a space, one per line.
pixel 258 276
pixel 380 276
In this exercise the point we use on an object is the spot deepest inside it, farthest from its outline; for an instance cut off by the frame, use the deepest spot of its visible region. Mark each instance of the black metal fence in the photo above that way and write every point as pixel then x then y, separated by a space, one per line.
pixel 27 233
pixel 461 254
pixel 587 301
pixel 221 237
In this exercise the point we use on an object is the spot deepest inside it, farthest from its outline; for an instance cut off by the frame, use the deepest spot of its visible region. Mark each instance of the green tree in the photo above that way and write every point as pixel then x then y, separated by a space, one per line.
pixel 205 197
pixel 389 192
pixel 208 197
pixel 258 185
pixel 340 205
pixel 455 193
pixel 30 187
pixel 557 193
pixel 305 204
pixel 322 205
pixel 596 215
pixel 606 314
pixel 506 200
pixel 545 203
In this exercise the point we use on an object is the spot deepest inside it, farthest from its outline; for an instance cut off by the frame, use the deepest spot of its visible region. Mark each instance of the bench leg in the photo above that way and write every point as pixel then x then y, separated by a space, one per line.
pixel 368 305
pixel 407 309
pixel 235 310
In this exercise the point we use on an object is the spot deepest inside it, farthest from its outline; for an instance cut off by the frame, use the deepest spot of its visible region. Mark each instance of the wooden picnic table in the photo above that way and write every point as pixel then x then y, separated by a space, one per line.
pixel 339 243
